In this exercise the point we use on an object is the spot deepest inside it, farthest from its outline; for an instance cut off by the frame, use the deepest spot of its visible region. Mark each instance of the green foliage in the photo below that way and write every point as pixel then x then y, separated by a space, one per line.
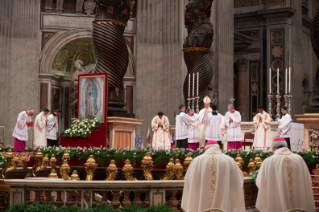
pixel 2 159
pixel 160 208
pixel 82 128
pixel 133 208
pixel 18 208
pixel 101 208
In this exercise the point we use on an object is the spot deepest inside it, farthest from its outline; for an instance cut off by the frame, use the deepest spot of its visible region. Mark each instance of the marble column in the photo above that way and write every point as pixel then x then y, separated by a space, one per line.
pixel 242 88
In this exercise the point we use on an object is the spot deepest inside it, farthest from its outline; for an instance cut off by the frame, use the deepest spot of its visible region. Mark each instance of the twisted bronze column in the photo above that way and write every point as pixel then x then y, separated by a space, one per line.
pixel 110 47
pixel 197 44
pixel 315 45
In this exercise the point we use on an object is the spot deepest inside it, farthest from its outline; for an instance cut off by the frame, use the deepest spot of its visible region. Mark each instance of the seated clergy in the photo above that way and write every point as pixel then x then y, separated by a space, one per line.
pixel 190 120
pixel 213 180
pixel 284 181
pixel 160 126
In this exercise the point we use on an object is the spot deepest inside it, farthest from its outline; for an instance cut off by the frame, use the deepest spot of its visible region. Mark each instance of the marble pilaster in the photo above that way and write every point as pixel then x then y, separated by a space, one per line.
pixel 242 88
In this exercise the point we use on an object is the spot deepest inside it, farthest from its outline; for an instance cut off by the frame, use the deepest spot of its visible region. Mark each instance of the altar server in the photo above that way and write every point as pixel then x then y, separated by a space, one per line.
pixel 284 125
pixel 40 123
pixel 53 128
pixel 160 127
pixel 20 132
pixel 262 122
pixel 233 121
pixel 212 121
pixel 181 132
pixel 284 181
pixel 190 120
pixel 213 180
pixel 201 125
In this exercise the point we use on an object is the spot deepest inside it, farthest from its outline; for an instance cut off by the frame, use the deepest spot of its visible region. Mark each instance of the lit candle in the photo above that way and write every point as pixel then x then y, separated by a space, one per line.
pixel 197 82
pixel 277 80
pixel 270 80
pixel 286 81
pixel 189 84
pixel 193 84
pixel 289 80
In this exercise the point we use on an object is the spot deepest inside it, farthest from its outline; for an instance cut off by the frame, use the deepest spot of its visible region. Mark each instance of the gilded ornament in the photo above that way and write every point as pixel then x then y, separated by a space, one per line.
pixel 9 157
pixel 169 170
pixel 188 161
pixel 15 161
pixel 239 160
pixel 66 156
pixel 45 162
pixel 178 169
pixel 128 171
pixel 258 161
pixel 147 163
pixel 111 171
pixel 74 175
pixel 64 170
pixel 90 167
pixel 24 165
pixel 53 161
pixel 38 161
pixel 251 166
pixel 53 174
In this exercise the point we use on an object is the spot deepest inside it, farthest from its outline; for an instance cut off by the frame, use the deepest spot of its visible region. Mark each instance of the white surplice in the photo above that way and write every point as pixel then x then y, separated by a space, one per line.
pixel 161 134
pixel 191 124
pixel 40 137
pixel 51 129
pixel 21 129
pixel 213 180
pixel 213 124
pixel 201 127
pixel 284 183
pixel 181 131
pixel 233 128
pixel 284 126
pixel 262 137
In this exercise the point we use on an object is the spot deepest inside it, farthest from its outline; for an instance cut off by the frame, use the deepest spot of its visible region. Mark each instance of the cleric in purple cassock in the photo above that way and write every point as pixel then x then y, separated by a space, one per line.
pixel 233 121
pixel 20 132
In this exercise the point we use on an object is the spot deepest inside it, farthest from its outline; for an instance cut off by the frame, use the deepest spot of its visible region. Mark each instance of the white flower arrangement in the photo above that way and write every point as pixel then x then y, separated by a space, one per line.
pixel 82 128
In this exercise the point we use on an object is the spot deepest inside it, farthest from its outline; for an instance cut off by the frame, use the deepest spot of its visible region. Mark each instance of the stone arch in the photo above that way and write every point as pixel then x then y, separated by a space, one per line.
pixel 57 41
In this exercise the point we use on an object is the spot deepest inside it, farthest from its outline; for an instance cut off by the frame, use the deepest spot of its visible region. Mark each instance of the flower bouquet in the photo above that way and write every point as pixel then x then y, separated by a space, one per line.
pixel 82 128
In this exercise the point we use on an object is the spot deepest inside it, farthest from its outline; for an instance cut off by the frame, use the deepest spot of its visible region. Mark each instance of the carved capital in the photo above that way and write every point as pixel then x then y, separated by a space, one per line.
pixel 242 65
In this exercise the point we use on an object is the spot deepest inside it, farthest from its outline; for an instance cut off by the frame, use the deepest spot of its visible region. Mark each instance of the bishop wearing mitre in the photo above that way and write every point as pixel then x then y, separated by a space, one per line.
pixel 160 127
pixel 284 181
pixel 40 123
pixel 201 126
pixel 262 121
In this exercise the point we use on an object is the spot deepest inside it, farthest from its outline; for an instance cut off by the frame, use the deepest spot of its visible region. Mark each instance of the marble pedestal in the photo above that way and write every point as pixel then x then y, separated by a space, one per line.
pixel 121 131
pixel 310 121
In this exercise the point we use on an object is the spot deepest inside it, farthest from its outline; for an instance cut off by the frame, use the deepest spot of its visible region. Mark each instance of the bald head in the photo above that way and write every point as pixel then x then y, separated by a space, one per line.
pixel 30 112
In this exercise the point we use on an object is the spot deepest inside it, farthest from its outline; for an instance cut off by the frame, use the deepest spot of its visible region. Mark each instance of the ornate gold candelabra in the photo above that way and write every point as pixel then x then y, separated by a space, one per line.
pixel 111 171
pixel 147 163
pixel 25 166
pixel 197 104
pixel 74 175
pixel 169 175
pixel 178 169
pixel 128 171
pixel 38 161
pixel 53 174
pixel 251 166
pixel 15 161
pixel 45 162
pixel 188 103
pixel 270 96
pixel 9 157
pixel 289 97
pixel 64 170
pixel 258 161
pixel 278 97
pixel 90 167
pixel 66 156
pixel 53 162
pixel 188 160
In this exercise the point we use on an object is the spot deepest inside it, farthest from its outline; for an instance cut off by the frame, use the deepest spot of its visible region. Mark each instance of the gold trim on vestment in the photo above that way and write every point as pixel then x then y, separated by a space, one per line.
pixel 289 173
pixel 214 178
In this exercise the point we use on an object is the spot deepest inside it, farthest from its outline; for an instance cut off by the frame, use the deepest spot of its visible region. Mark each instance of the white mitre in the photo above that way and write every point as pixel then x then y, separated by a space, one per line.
pixel 207 100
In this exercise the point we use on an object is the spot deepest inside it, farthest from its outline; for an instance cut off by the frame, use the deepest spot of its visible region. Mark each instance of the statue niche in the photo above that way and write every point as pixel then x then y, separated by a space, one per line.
pixel 80 70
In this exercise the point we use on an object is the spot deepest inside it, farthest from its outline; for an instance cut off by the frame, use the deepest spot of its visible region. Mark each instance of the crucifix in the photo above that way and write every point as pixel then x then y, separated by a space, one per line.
pixel 232 100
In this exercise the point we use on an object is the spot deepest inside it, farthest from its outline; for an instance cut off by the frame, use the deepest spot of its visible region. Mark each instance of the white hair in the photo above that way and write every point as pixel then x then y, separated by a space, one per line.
pixel 279 144
pixel 231 105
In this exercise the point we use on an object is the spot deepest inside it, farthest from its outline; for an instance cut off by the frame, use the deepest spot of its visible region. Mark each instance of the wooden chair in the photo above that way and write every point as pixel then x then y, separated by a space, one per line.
pixel 297 210
pixel 248 136
pixel 214 210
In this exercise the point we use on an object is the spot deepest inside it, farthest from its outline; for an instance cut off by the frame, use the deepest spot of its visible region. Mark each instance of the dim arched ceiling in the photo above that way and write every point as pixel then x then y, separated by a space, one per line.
pixel 80 49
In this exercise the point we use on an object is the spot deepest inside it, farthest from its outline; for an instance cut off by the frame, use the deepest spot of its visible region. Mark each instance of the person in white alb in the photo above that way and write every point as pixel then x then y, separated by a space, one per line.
pixel 181 132
pixel 190 120
pixel 284 181
pixel 262 122
pixel 233 121
pixel 212 121
pixel 20 132
pixel 40 124
pixel 53 128
pixel 160 126
pixel 284 125
pixel 201 126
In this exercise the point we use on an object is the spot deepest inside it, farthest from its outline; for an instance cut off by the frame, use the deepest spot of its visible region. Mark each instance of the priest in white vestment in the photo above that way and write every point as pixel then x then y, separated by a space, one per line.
pixel 284 181
pixel 160 127
pixel 53 128
pixel 181 132
pixel 20 132
pixel 233 121
pixel 201 126
pixel 213 180
pixel 39 133
pixel 190 120
pixel 212 121
pixel 284 125
pixel 262 122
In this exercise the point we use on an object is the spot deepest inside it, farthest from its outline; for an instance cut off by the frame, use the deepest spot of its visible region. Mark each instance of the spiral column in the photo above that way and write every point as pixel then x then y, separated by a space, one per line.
pixel 110 47
pixel 315 45
pixel 197 44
